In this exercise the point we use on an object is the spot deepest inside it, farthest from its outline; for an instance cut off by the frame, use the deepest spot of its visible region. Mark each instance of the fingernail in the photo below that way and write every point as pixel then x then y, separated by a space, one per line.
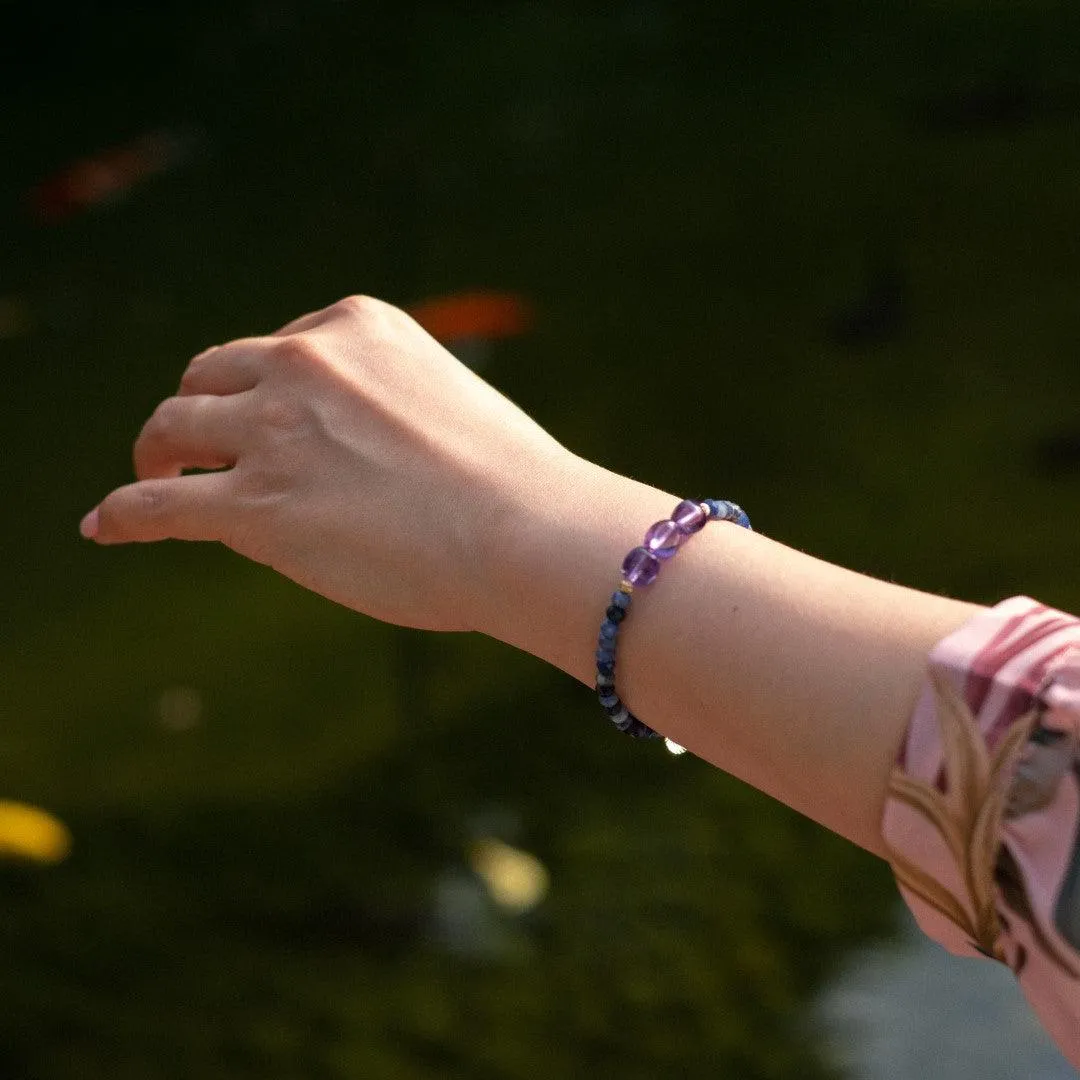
pixel 89 525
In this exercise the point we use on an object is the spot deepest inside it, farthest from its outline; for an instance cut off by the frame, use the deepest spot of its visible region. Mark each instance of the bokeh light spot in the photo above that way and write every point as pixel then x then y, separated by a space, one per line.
pixel 29 833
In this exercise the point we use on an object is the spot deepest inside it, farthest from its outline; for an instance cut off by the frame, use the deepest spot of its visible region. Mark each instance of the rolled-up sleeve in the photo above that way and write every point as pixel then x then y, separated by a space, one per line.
pixel 981 820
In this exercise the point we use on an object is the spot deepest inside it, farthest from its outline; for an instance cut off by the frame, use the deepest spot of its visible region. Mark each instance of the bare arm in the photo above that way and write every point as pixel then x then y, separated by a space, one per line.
pixel 357 457
pixel 795 675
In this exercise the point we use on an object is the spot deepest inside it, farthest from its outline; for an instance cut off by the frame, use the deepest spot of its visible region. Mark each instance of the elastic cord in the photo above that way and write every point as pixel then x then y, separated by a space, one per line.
pixel 640 568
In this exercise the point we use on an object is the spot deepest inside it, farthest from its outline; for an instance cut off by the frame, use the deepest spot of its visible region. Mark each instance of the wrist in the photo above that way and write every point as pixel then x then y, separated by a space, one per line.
pixel 555 555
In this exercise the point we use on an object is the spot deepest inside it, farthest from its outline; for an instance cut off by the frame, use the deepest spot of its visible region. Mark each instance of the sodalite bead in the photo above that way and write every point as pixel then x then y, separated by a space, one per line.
pixel 615 614
pixel 637 729
pixel 641 566
pixel 689 516
pixel 609 699
pixel 609 628
pixel 605 656
pixel 620 600
pixel 664 538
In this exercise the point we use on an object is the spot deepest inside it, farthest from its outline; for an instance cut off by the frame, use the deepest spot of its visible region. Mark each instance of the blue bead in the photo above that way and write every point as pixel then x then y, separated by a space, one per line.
pixel 638 729
pixel 621 599
pixel 615 614
pixel 606 667
pixel 604 682
pixel 608 628
pixel 609 699
pixel 743 520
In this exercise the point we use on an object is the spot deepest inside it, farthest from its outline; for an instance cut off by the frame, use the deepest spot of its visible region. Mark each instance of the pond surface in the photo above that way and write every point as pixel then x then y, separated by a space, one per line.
pixel 824 259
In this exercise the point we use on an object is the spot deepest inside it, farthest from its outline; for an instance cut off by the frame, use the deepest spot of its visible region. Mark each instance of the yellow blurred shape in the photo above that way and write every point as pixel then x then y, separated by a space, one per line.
pixel 516 880
pixel 29 833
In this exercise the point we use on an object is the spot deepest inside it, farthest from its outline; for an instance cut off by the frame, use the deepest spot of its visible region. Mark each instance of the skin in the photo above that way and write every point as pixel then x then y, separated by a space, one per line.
pixel 356 456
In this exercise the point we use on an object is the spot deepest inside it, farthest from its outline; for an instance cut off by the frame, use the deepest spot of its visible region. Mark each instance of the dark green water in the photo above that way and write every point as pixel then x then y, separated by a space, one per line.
pixel 820 258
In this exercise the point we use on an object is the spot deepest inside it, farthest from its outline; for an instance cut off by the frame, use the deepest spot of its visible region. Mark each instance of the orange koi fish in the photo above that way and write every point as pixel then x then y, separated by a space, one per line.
pixel 110 175
pixel 468 322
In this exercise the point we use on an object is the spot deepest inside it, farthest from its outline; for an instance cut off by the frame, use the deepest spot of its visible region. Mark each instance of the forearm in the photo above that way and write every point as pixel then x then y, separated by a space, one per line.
pixel 793 674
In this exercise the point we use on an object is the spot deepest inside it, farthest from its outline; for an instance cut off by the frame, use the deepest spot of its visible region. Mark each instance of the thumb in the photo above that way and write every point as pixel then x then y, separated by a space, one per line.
pixel 182 508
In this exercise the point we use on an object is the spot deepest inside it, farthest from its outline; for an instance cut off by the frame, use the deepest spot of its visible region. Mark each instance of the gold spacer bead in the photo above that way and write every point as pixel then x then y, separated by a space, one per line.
pixel 626 587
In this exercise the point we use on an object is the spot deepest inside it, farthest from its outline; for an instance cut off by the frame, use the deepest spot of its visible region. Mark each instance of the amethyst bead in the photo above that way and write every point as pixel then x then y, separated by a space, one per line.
pixel 664 538
pixel 689 516
pixel 641 566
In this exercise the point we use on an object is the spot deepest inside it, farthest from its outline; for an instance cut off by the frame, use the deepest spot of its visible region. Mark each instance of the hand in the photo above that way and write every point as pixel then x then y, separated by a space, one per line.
pixel 354 454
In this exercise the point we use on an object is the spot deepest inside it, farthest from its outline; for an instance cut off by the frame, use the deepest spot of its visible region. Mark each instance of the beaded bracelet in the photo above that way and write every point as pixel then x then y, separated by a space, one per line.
pixel 640 568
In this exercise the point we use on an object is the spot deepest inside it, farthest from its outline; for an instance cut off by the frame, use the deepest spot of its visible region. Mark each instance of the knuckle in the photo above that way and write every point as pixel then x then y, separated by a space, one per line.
pixel 359 305
pixel 192 377
pixel 160 430
pixel 164 419
pixel 297 351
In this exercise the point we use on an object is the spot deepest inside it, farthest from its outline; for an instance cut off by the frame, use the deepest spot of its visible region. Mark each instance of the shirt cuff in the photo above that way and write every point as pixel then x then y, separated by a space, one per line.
pixel 981 819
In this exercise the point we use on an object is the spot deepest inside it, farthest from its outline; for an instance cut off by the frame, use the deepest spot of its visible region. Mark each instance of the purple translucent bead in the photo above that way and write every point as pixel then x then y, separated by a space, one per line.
pixel 689 516
pixel 640 567
pixel 664 538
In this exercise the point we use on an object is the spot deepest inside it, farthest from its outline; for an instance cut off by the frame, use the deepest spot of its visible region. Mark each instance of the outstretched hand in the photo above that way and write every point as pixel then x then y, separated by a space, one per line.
pixel 351 452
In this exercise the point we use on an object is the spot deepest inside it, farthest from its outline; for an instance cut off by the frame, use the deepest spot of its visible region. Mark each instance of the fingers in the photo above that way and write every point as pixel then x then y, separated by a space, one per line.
pixel 195 432
pixel 225 369
pixel 183 508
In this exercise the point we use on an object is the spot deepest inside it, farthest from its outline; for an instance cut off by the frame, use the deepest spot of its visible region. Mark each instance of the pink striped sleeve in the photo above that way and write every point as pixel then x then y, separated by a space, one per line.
pixel 984 803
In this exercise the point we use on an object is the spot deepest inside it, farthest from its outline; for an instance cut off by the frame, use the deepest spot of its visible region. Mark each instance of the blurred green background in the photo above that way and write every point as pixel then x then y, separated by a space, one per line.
pixel 822 258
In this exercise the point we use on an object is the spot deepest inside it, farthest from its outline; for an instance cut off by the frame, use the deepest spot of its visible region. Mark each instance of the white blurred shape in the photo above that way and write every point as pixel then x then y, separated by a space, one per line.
pixel 179 708
pixel 915 1012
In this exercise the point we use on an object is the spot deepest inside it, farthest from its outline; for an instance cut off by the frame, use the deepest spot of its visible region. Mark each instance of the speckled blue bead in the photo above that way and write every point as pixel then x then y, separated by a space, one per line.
pixel 609 628
pixel 615 614
pixel 606 667
pixel 609 699
pixel 605 656
pixel 620 600
pixel 636 729
pixel 604 683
